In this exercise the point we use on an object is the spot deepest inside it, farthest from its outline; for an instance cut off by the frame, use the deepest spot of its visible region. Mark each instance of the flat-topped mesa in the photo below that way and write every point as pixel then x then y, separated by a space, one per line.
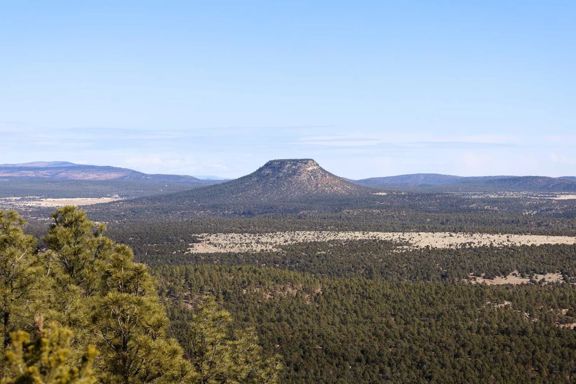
pixel 289 179
pixel 277 181
pixel 288 167
pixel 277 185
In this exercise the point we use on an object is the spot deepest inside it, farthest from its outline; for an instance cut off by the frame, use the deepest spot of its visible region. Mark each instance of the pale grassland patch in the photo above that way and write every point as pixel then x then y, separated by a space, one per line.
pixel 564 197
pixel 514 278
pixel 270 242
pixel 55 202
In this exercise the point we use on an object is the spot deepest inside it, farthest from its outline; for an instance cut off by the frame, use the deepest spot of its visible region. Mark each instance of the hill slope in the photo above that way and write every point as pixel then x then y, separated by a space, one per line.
pixel 413 180
pixel 61 170
pixel 438 182
pixel 64 179
pixel 279 185
pixel 284 180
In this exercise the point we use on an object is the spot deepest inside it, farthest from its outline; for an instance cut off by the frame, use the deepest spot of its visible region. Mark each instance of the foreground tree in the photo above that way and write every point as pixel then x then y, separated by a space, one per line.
pixel 127 323
pixel 92 286
pixel 21 277
pixel 47 357
pixel 223 355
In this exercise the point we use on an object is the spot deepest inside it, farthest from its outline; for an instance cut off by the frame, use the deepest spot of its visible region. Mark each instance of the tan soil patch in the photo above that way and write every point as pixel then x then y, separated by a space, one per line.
pixel 53 203
pixel 517 195
pixel 514 278
pixel 564 197
pixel 285 290
pixel 270 242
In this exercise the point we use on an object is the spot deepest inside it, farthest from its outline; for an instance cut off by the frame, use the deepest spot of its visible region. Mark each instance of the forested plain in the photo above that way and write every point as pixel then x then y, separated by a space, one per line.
pixel 343 330
pixel 359 311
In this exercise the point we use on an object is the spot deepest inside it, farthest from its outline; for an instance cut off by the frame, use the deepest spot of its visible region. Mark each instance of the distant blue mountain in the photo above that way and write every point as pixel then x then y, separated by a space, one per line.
pixel 439 182
pixel 65 179
pixel 63 170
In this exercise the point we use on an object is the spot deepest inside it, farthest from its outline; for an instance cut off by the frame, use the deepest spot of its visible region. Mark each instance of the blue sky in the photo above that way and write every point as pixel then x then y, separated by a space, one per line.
pixel 367 88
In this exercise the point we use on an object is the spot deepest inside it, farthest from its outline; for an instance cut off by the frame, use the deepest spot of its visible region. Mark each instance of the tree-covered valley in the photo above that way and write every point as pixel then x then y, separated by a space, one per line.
pixel 428 287
pixel 319 312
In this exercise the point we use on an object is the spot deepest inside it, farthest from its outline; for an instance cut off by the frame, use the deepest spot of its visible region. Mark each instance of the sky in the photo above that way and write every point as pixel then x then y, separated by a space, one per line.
pixel 217 88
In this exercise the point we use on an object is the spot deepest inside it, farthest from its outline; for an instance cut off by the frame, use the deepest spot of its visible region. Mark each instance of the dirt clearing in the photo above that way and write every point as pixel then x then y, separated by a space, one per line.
pixel 54 202
pixel 269 242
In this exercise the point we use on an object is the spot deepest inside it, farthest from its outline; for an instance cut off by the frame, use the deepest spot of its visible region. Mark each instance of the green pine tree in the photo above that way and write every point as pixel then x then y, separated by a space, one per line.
pixel 47 357
pixel 21 278
pixel 127 322
pixel 223 355
pixel 92 292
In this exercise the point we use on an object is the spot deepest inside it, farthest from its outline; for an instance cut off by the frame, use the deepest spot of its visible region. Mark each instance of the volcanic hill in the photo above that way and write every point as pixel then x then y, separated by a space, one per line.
pixel 278 180
pixel 285 180
pixel 277 185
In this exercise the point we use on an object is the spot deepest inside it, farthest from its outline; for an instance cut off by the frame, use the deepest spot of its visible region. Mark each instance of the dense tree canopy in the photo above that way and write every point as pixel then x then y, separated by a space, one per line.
pixel 47 357
pixel 344 330
pixel 96 298
pixel 333 312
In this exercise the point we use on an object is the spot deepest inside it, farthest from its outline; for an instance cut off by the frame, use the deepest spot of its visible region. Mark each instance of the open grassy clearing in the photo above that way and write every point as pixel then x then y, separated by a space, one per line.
pixel 21 202
pixel 515 278
pixel 270 242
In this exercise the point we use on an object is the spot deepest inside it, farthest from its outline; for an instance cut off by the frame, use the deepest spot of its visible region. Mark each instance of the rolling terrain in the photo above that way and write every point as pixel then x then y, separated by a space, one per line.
pixel 69 180
pixel 279 181
pixel 62 170
pixel 305 195
pixel 448 183
pixel 278 186
pixel 419 285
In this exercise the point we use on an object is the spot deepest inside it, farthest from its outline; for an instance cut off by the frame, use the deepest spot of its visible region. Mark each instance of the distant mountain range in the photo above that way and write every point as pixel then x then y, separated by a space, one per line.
pixel 64 179
pixel 448 183
pixel 62 170
pixel 283 181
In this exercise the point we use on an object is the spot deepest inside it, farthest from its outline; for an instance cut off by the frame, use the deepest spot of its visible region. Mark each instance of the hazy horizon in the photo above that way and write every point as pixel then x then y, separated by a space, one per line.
pixel 217 177
pixel 218 88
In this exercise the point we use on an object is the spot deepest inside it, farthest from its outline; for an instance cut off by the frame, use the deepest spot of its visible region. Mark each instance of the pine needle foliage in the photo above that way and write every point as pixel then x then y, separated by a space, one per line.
pixel 47 357
pixel 107 322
